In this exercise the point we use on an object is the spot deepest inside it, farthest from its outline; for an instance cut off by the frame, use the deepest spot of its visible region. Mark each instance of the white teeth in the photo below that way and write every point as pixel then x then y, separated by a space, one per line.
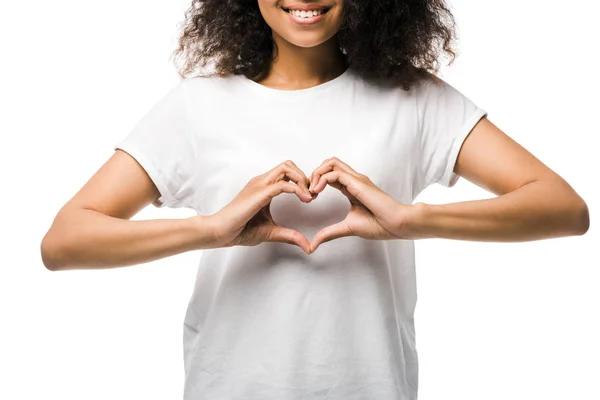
pixel 305 14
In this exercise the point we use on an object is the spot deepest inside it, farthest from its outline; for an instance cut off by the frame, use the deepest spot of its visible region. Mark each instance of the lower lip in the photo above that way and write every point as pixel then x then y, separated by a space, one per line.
pixel 306 21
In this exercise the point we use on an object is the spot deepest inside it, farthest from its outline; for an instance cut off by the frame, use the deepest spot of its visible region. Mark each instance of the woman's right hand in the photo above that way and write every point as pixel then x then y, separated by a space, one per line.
pixel 247 221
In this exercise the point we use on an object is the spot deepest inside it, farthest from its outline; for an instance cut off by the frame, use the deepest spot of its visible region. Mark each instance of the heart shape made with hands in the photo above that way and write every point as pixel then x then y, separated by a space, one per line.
pixel 328 208
pixel 356 208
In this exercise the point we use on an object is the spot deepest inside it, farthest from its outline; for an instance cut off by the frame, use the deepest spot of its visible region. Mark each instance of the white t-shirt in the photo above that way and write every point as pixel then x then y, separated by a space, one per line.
pixel 270 322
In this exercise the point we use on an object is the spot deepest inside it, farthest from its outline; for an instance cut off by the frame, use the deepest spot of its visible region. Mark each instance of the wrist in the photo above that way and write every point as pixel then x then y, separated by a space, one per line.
pixel 204 231
pixel 415 224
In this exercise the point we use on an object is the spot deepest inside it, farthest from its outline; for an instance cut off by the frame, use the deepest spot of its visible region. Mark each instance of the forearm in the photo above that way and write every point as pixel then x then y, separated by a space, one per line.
pixel 539 210
pixel 87 239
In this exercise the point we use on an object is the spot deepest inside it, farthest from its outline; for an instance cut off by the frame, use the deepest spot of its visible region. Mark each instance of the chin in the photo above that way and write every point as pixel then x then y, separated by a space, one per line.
pixel 305 40
pixel 307 43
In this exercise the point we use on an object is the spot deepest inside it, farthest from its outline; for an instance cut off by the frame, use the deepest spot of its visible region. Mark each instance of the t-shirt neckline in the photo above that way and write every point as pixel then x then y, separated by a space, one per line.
pixel 295 93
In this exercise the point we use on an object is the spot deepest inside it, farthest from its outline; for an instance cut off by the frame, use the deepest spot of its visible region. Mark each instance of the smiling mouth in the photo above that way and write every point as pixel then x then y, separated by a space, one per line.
pixel 324 11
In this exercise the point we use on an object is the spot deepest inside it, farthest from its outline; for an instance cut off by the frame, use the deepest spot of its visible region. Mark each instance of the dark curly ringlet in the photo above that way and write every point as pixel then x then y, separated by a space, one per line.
pixel 395 41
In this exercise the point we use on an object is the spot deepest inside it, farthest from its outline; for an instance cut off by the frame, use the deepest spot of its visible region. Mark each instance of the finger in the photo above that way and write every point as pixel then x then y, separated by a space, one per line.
pixel 313 195
pixel 335 231
pixel 331 164
pixel 282 186
pixel 334 179
pixel 288 170
pixel 343 166
pixel 365 194
pixel 342 189
pixel 261 198
pixel 287 235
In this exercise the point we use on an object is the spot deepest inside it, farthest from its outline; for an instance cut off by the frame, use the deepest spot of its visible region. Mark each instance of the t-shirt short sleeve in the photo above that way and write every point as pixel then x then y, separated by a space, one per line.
pixel 162 143
pixel 446 117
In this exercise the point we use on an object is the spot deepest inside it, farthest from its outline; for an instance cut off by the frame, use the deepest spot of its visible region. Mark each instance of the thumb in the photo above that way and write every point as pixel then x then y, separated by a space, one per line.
pixel 286 235
pixel 329 233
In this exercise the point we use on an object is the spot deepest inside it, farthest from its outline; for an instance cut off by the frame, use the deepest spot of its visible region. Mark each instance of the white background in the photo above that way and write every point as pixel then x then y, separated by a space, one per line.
pixel 494 321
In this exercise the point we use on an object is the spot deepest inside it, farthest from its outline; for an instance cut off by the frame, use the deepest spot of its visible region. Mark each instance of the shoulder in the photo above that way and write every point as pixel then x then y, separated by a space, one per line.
pixel 430 85
pixel 436 93
pixel 427 88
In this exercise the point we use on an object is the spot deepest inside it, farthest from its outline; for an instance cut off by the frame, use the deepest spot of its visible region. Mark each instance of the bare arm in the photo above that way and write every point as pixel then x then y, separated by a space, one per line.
pixel 93 229
pixel 533 201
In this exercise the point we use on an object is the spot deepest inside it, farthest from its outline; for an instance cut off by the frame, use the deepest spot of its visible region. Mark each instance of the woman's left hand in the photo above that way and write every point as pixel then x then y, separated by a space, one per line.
pixel 373 213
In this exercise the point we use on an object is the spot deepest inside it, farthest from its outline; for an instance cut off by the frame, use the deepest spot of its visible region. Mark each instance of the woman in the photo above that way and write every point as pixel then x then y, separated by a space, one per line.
pixel 308 95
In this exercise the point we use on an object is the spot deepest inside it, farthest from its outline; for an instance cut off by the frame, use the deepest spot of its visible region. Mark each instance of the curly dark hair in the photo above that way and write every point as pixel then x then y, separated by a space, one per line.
pixel 395 41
